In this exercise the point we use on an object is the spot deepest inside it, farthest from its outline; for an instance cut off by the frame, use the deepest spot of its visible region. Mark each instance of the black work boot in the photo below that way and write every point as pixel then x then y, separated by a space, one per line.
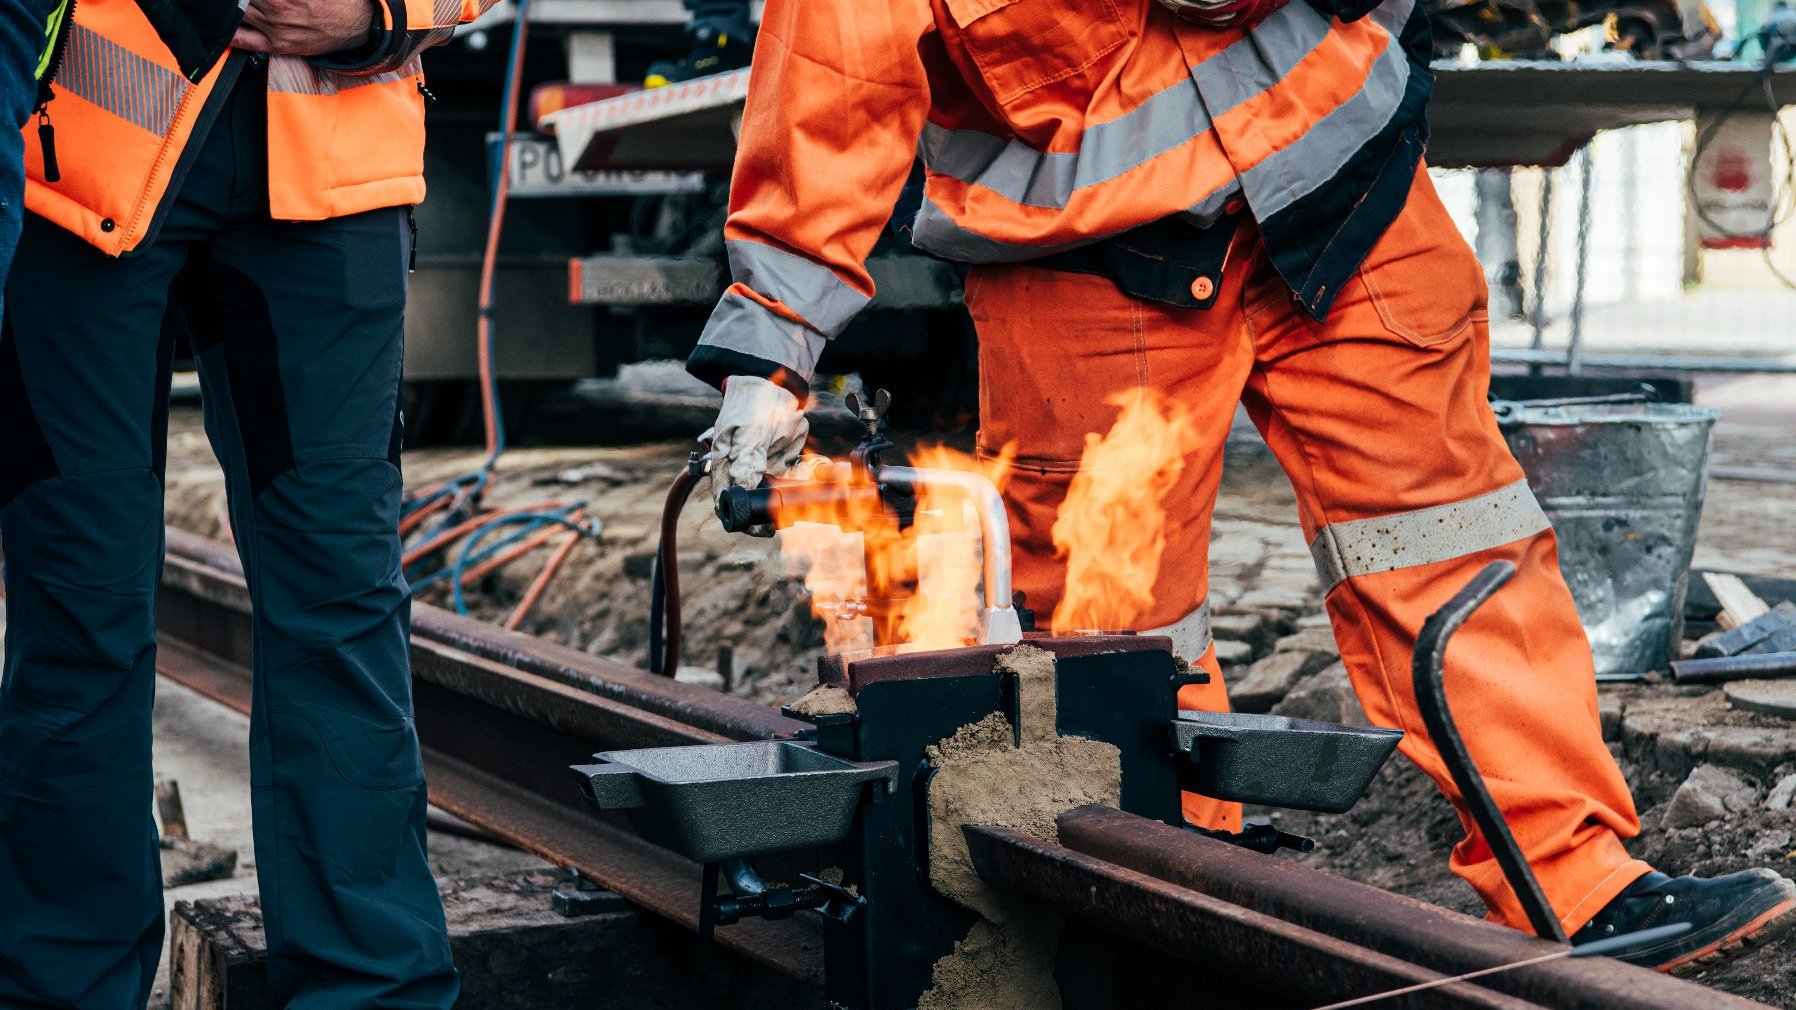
pixel 1727 915
pixel 715 49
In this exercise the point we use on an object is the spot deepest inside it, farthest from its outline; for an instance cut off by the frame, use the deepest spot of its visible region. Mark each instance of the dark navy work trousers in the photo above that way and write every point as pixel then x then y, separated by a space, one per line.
pixel 297 330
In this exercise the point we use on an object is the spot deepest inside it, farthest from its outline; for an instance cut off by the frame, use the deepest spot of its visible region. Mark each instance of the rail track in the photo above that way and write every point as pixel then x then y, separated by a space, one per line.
pixel 1152 912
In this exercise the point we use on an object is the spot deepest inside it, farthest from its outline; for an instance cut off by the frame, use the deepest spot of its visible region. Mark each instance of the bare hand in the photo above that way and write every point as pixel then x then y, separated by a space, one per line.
pixel 304 27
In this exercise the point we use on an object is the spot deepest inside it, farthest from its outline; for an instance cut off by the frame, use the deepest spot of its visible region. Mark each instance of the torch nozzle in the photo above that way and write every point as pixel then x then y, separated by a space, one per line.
pixel 777 503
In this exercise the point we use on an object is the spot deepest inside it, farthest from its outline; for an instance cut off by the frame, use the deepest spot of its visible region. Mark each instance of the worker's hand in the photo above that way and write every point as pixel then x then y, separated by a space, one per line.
pixel 304 27
pixel 760 431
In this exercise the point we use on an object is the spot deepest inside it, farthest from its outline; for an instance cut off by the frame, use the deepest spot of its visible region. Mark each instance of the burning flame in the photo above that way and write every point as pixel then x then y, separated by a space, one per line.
pixel 874 584
pixel 1111 530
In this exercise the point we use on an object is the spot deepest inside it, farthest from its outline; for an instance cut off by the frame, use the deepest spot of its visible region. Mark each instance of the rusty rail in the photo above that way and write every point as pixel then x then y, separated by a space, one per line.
pixel 1414 931
pixel 1289 961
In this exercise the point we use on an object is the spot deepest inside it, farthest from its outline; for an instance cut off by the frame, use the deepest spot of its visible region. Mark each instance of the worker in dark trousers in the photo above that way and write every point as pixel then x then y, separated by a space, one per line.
pixel 261 206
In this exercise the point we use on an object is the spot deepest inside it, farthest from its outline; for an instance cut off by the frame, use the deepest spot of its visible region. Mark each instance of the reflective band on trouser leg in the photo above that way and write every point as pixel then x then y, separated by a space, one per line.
pixel 1427 535
pixel 1190 634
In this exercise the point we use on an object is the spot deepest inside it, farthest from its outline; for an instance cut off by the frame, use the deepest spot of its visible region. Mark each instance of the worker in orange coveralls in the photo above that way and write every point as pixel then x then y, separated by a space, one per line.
pixel 1219 201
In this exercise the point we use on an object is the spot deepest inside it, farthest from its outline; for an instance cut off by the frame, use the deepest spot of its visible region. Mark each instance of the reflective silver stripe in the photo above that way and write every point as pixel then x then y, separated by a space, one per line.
pixel 1024 175
pixel 936 232
pixel 1310 161
pixel 290 75
pixel 1422 537
pixel 1163 122
pixel 807 288
pixel 741 324
pixel 1271 50
pixel 137 90
pixel 1190 634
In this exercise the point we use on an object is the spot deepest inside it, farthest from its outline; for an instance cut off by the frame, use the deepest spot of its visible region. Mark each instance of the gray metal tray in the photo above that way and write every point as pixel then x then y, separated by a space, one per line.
pixel 1278 761
pixel 712 802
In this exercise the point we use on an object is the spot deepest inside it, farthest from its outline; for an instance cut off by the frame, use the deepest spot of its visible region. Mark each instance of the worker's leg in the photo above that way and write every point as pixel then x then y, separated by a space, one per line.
pixel 299 330
pixel 1056 349
pixel 1406 490
pixel 83 395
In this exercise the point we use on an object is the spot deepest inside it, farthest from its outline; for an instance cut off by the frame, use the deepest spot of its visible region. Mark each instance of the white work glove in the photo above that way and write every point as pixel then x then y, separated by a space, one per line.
pixel 760 430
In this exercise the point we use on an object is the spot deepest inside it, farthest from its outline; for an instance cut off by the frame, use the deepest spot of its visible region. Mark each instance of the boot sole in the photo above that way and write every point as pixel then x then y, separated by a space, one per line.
pixel 1767 927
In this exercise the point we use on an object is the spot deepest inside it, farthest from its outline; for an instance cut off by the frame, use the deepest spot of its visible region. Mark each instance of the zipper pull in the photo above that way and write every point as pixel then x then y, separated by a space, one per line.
pixel 46 138
pixel 411 222
pixel 426 92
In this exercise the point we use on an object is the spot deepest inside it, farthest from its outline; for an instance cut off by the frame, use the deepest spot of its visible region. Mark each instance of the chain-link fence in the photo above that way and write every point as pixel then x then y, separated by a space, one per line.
pixel 1602 258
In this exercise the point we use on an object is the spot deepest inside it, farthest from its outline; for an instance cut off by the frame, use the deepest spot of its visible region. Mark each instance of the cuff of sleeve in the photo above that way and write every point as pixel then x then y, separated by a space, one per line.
pixel 375 55
pixel 714 365
pixel 744 337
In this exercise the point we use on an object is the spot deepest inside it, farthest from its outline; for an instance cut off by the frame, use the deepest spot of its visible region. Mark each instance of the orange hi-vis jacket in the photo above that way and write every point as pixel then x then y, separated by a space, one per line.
pixel 343 137
pixel 1044 126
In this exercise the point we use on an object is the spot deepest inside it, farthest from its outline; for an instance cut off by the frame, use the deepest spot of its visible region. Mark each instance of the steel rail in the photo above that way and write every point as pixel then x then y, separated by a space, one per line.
pixel 1297 964
pixel 497 739
pixel 1414 931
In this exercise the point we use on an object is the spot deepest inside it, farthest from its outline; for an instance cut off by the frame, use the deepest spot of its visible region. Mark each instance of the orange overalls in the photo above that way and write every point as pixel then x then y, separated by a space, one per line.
pixel 1348 314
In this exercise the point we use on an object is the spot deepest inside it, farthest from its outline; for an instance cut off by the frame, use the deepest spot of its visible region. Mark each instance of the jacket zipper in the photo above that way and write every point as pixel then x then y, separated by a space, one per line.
pixel 202 125
pixel 46 133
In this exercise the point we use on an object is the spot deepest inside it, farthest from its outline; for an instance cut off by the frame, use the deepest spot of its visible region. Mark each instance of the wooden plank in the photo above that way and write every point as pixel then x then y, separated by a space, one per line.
pixel 513 950
pixel 1739 605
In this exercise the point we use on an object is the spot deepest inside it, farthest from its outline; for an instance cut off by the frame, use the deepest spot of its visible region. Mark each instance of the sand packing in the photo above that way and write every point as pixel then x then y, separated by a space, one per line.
pixel 1006 962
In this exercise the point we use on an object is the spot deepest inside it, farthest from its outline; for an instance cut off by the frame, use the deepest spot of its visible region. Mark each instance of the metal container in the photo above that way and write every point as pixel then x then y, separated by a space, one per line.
pixel 1279 761
pixel 1623 486
pixel 711 802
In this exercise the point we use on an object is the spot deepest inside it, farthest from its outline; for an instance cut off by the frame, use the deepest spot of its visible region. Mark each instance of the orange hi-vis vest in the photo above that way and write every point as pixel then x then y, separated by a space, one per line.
pixel 1044 126
pixel 342 138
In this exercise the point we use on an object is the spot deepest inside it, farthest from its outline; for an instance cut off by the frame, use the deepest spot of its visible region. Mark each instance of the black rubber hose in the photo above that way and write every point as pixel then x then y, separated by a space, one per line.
pixel 664 581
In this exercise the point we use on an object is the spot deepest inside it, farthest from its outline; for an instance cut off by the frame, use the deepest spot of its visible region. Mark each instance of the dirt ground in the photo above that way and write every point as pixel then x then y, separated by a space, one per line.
pixel 1266 600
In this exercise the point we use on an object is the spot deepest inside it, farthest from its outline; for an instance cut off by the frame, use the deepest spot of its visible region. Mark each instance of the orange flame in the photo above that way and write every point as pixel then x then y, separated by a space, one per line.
pixel 1111 530
pixel 874 584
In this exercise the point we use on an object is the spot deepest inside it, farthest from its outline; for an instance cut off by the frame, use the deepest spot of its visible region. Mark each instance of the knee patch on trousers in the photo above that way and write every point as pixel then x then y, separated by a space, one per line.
pixel 367 754
pixel 82 562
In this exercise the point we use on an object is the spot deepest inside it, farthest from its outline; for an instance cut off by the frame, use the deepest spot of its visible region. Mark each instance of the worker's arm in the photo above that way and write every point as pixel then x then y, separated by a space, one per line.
pixel 836 102
pixel 401 30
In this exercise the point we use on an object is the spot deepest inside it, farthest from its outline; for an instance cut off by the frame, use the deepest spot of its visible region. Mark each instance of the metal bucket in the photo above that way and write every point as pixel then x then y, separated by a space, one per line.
pixel 1623 486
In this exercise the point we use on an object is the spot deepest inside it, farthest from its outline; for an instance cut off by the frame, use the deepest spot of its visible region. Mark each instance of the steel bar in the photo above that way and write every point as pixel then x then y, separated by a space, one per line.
pixel 1301 964
pixel 1404 928
pixel 497 742
pixel 1726 668
pixel 1574 352
pixel 1429 670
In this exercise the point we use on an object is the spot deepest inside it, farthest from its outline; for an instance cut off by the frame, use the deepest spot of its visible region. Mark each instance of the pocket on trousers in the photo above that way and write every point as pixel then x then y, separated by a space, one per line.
pixel 1422 277
pixel 379 758
pixel 1022 45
